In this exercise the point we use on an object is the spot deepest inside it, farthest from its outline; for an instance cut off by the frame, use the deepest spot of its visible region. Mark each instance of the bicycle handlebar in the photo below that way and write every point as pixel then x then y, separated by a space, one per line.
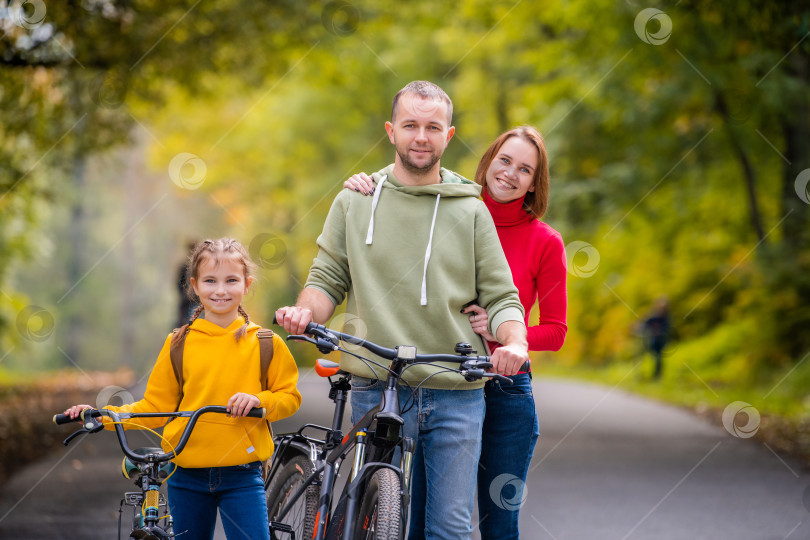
pixel 327 341
pixel 60 419
pixel 88 418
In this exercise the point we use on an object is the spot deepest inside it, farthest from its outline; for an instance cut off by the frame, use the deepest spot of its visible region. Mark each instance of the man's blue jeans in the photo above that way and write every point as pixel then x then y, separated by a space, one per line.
pixel 446 427
pixel 238 492
pixel 509 435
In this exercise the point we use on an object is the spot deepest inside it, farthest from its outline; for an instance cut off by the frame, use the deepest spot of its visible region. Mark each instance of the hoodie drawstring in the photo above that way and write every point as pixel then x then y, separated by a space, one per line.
pixel 370 235
pixel 427 251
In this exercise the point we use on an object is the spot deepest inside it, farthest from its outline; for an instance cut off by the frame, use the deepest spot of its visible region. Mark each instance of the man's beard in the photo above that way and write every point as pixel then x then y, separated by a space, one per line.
pixel 413 168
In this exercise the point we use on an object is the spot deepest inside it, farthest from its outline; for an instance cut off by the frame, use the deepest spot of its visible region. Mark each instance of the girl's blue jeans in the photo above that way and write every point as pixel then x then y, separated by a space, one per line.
pixel 446 427
pixel 195 494
pixel 509 435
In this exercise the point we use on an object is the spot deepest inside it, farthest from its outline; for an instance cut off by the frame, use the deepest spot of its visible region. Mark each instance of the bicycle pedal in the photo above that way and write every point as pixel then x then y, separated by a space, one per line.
pixel 281 527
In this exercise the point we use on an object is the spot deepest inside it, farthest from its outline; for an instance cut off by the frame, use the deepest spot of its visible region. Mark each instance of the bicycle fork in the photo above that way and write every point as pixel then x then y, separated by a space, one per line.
pixel 360 478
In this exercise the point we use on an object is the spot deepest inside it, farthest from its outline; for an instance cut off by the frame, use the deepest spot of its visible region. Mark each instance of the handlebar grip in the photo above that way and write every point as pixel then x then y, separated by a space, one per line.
pixel 257 412
pixel 311 326
pixel 60 419
pixel 526 366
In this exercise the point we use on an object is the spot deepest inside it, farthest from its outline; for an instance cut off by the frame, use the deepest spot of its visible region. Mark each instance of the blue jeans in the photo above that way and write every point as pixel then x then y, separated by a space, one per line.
pixel 446 428
pixel 238 492
pixel 509 435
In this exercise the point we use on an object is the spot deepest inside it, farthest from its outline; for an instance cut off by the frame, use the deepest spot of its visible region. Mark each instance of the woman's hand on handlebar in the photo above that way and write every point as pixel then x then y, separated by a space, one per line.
pixel 293 319
pixel 241 403
pixel 76 410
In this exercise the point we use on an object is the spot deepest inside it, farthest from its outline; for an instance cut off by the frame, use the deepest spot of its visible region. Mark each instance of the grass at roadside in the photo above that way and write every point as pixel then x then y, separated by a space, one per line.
pixel 28 403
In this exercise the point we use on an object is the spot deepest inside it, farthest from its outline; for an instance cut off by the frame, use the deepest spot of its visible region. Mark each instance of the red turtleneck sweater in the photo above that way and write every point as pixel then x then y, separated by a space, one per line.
pixel 536 256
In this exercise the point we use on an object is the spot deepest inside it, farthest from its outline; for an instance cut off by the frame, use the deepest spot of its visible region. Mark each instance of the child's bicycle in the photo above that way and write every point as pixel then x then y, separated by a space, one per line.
pixel 149 467
pixel 374 502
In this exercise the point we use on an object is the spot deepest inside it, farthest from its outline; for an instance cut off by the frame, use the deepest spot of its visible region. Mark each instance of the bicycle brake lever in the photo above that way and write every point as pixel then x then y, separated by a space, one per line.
pixel 476 374
pixel 73 435
pixel 473 364
pixel 301 337
pixel 471 375
pixel 323 345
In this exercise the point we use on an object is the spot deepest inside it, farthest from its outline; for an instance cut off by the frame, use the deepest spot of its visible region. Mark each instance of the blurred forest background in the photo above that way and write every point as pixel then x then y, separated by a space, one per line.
pixel 678 134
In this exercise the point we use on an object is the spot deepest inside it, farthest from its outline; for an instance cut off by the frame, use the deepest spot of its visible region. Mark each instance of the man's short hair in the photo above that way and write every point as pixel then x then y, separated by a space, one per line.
pixel 425 90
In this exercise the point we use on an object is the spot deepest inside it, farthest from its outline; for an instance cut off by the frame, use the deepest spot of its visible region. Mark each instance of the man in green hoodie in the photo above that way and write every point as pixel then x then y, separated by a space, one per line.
pixel 409 259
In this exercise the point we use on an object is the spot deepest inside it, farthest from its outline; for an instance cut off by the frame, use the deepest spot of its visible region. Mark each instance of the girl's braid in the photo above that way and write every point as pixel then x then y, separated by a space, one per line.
pixel 242 329
pixel 183 329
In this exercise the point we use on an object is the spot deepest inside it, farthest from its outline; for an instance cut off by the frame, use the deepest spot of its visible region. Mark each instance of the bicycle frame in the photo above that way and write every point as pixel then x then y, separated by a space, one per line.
pixel 376 434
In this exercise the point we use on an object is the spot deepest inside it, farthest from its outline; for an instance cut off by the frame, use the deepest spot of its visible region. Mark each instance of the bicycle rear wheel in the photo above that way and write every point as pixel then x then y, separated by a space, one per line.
pixel 283 486
pixel 380 508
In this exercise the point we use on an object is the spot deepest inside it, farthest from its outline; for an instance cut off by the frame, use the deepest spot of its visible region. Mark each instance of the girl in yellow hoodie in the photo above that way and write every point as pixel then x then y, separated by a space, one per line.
pixel 221 465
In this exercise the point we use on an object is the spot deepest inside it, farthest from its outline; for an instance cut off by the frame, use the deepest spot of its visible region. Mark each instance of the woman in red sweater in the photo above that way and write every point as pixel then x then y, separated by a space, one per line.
pixel 515 179
pixel 514 175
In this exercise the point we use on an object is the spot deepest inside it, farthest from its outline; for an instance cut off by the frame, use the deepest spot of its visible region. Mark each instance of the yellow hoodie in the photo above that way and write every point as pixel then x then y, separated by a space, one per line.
pixel 216 366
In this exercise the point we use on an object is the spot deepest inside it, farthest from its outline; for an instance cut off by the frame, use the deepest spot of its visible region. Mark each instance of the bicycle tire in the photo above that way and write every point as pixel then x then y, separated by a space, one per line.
pixel 381 508
pixel 283 485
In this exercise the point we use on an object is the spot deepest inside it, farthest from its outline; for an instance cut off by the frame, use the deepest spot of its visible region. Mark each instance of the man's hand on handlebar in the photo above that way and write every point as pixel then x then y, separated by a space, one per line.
pixel 294 319
pixel 508 359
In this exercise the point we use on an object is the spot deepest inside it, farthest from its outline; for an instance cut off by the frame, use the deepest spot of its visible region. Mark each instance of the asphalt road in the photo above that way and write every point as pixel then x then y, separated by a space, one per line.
pixel 608 466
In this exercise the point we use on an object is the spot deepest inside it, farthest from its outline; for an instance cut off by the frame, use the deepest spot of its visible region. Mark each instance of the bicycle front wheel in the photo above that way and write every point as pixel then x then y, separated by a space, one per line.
pixel 287 480
pixel 380 508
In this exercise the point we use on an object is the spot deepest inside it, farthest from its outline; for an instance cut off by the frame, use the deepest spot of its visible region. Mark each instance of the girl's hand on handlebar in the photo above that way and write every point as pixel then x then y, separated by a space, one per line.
pixel 76 410
pixel 360 182
pixel 241 403
pixel 479 320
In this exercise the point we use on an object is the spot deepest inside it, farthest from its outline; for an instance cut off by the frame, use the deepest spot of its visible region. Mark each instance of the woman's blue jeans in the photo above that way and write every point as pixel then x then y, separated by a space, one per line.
pixel 238 493
pixel 509 435
pixel 446 428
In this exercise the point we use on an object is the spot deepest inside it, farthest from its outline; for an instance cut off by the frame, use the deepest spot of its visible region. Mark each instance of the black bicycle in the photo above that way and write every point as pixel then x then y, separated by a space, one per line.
pixel 149 467
pixel 374 502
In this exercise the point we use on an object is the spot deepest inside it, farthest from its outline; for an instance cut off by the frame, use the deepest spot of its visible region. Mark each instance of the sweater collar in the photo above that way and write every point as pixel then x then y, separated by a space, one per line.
pixel 207 327
pixel 506 214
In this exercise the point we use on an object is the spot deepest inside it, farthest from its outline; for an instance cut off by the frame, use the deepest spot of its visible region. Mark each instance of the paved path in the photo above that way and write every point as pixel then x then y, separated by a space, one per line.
pixel 608 466
pixel 615 466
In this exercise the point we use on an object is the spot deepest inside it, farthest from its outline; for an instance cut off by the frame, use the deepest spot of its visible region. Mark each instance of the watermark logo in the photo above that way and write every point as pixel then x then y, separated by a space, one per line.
pixel 651 17
pixel 746 428
pixel 423 106
pixel 268 251
pixel 349 323
pixel 340 18
pixel 114 396
pixel 508 492
pixel 35 323
pixel 583 259
pixel 187 171
pixel 110 89
pixel 740 105
pixel 801 186
pixel 28 14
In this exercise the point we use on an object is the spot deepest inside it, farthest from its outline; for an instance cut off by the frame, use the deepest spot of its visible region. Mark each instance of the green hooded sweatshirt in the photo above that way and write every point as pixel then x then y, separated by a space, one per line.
pixel 409 258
